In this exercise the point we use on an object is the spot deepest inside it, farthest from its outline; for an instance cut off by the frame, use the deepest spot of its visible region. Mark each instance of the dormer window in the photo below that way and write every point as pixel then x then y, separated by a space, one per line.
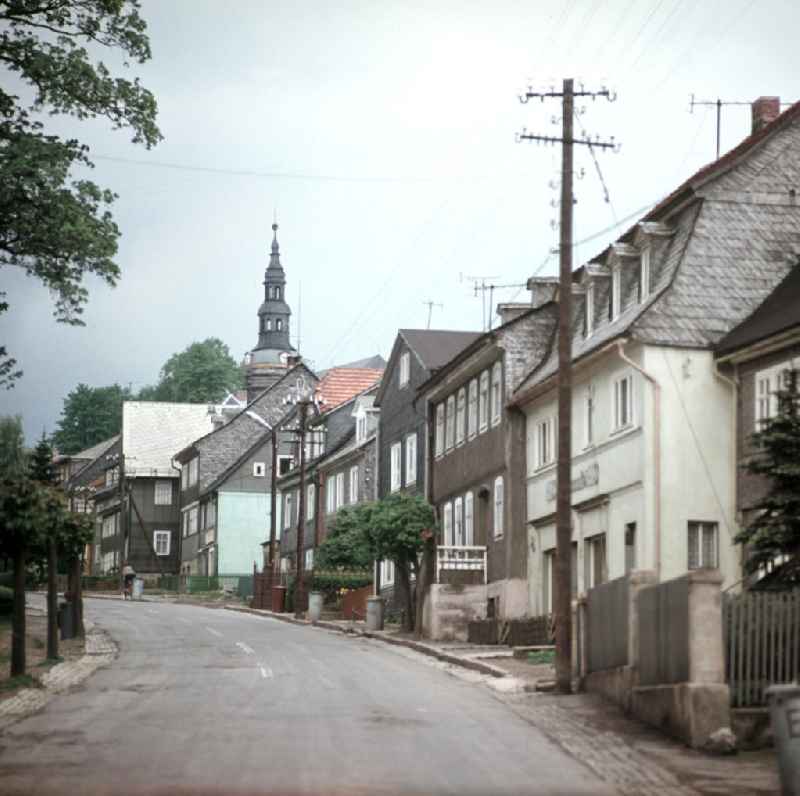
pixel 589 309
pixel 615 299
pixel 644 274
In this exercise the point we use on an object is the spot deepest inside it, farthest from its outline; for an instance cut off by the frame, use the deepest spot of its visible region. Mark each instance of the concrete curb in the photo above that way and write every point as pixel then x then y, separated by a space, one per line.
pixel 425 649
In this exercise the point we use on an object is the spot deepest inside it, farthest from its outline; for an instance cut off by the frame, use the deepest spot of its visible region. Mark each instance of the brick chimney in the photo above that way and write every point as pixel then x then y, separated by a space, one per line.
pixel 765 110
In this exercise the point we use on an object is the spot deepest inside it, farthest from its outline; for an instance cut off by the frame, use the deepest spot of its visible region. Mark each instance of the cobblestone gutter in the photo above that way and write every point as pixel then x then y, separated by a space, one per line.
pixel 100 651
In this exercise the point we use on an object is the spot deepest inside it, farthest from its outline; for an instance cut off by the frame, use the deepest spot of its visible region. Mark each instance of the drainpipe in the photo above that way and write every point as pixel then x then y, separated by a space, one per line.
pixel 656 449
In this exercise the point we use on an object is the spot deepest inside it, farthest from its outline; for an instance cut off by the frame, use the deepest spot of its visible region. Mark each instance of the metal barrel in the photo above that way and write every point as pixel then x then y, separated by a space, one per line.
pixel 315 606
pixel 784 711
pixel 375 613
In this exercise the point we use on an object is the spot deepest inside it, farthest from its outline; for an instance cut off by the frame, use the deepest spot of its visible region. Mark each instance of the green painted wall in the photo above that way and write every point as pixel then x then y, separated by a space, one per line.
pixel 242 525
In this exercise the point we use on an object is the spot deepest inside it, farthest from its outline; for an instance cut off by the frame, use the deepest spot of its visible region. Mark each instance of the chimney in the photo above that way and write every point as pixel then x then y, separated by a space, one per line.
pixel 510 310
pixel 542 289
pixel 765 110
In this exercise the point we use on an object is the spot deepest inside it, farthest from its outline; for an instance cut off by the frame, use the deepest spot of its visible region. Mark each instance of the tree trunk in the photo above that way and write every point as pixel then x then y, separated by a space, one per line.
pixel 18 616
pixel 424 580
pixel 52 599
pixel 405 585
pixel 77 597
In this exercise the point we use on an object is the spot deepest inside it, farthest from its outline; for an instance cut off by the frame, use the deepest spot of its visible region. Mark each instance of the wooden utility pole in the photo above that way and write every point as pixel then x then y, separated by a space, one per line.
pixel 299 586
pixel 273 506
pixel 562 592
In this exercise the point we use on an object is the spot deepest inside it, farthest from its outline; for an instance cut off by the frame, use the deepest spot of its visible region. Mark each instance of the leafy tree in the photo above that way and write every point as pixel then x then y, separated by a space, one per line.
pixel 90 415
pixel 200 373
pixel 56 228
pixel 41 462
pixel 775 531
pixel 348 544
pixel 13 461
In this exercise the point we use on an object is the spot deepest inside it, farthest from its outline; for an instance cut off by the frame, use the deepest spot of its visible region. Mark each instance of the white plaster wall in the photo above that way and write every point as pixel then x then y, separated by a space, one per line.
pixel 513 597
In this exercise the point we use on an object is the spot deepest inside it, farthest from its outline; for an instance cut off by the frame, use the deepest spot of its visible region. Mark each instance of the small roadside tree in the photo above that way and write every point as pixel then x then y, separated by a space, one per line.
pixel 348 544
pixel 774 534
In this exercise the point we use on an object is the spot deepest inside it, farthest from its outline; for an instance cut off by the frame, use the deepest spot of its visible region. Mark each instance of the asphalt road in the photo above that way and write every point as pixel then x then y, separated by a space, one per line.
pixel 212 701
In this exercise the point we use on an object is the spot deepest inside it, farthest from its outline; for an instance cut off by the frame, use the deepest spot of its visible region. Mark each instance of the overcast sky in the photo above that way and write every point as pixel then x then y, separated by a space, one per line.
pixel 382 134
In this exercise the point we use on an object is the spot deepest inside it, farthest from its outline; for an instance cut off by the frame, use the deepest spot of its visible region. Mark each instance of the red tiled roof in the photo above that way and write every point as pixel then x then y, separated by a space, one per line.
pixel 339 385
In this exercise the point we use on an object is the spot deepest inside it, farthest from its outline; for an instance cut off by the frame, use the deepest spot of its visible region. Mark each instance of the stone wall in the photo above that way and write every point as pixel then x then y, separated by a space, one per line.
pixel 448 610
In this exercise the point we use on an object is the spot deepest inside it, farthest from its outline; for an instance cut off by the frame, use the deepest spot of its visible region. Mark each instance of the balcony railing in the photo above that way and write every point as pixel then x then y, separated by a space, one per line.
pixel 460 557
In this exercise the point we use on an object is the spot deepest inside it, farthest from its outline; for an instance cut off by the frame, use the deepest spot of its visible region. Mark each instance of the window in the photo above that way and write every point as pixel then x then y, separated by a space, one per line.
pixel 450 422
pixel 497 392
pixel 405 369
pixel 630 547
pixel 396 465
pixel 589 309
pixel 768 384
pixel 703 545
pixel 284 464
pixel 269 325
pixel 461 410
pixel 339 490
pixel 483 402
pixel 387 573
pixel 623 402
pixel 109 527
pixel 411 459
pixel 310 497
pixel 309 563
pixel 287 510
pixel 439 442
pixel 469 522
pixel 330 500
pixel 472 409
pixel 112 476
pixel 616 295
pixel 278 325
pixel 211 514
pixel 163 493
pixel 595 570
pixel 193 520
pixel 193 467
pixel 184 476
pixel 548 580
pixel 278 293
pixel 644 274
pixel 458 520
pixel 161 542
pixel 588 409
pixel 447 524
pixel 354 484
pixel 361 427
pixel 763 400
pixel 498 507
pixel 545 449
pixel 259 469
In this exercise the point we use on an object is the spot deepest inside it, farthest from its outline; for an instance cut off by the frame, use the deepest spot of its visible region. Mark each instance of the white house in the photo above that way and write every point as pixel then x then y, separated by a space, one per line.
pixel 653 446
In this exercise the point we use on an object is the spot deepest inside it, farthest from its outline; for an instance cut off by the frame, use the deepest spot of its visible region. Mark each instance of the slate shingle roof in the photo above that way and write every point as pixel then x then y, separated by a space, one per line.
pixel 436 347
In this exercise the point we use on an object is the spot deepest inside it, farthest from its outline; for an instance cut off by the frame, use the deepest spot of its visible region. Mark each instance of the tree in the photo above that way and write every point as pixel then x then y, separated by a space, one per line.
pixel 90 415
pixel 13 461
pixel 41 462
pixel 348 544
pixel 56 228
pixel 201 373
pixel 774 533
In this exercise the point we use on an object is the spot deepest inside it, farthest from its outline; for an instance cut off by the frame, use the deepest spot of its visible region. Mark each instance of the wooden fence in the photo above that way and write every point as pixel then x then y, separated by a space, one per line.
pixel 762 643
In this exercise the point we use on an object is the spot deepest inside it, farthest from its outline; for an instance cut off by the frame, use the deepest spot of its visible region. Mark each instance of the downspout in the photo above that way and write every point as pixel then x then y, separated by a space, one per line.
pixel 656 449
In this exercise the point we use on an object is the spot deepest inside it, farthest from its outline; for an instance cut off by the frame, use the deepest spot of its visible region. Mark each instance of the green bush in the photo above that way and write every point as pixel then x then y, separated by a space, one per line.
pixel 331 583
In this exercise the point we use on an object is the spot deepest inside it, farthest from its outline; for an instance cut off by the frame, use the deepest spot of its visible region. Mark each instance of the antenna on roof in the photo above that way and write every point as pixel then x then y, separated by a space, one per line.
pixel 430 305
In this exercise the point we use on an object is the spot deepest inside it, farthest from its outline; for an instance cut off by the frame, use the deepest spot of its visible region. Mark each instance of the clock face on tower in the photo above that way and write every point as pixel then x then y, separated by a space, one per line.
pixel 284 357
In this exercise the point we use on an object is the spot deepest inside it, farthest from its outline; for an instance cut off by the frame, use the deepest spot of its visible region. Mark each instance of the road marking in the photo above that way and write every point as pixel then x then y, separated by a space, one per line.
pixel 266 672
pixel 214 632
pixel 183 619
pixel 244 648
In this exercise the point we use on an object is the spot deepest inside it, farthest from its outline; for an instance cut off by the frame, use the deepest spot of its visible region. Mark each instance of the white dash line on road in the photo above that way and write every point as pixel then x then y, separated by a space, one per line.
pixel 266 672
pixel 214 632
pixel 244 648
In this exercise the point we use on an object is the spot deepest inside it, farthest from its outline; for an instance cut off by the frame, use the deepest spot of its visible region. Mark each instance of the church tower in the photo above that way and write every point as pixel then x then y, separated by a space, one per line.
pixel 269 360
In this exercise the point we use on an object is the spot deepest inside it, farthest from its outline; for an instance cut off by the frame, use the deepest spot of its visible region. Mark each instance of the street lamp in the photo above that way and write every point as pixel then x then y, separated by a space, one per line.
pixel 302 397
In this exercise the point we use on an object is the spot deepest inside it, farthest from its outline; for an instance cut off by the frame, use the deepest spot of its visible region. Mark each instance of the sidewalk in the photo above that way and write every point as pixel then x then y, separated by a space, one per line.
pixel 99 650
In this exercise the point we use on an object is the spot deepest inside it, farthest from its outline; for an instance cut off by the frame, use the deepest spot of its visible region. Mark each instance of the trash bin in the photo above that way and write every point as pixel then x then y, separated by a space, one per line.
pixel 375 613
pixel 784 713
pixel 65 623
pixel 315 606
pixel 278 599
pixel 138 588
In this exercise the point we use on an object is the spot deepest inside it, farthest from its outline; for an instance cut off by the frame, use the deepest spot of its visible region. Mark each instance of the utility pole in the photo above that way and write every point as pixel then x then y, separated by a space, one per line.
pixel 430 305
pixel 563 579
pixel 273 506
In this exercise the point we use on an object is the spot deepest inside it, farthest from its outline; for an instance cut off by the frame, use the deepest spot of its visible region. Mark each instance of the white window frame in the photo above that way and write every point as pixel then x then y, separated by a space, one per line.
pixel 472 409
pixel 411 459
pixel 545 442
pixel 354 484
pixel 259 469
pixel 194 517
pixel 483 401
pixel 339 490
pixel 439 435
pixel 767 383
pixel 616 292
pixel 447 524
pixel 644 273
pixel 160 486
pixel 361 427
pixel 309 560
pixel 589 308
pixel 698 532
pixel 497 393
pixel 284 457
pixel 193 470
pixel 184 476
pixel 469 519
pixel 211 514
pixel 623 409
pixel 499 503
pixel 387 572
pixel 458 521
pixel 330 494
pixel 395 465
pixel 404 370
pixel 461 415
pixel 450 424
pixel 162 535
pixel 311 496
